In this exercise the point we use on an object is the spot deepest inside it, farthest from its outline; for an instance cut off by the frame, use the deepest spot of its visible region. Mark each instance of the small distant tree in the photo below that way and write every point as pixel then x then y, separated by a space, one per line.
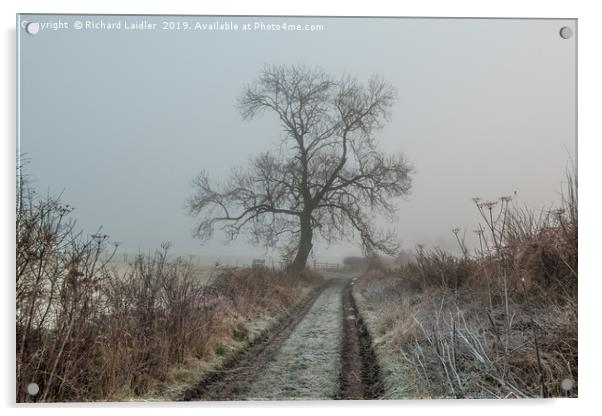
pixel 327 178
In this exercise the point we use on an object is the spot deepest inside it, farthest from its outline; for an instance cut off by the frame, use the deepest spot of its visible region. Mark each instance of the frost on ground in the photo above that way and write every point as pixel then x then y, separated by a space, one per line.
pixel 435 342
pixel 307 365
pixel 377 308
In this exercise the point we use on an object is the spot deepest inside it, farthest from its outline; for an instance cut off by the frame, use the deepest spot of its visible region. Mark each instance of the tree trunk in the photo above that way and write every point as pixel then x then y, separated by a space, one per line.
pixel 305 245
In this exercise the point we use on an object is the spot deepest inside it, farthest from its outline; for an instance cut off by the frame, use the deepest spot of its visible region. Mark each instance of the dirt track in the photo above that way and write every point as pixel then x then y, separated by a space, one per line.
pixel 360 374
pixel 320 351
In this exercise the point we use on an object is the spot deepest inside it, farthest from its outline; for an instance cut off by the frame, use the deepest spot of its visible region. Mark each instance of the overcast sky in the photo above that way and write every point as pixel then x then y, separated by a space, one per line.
pixel 120 121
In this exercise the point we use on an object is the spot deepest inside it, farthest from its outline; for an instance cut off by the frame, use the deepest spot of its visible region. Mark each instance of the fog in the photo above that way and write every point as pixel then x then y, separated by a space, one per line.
pixel 119 122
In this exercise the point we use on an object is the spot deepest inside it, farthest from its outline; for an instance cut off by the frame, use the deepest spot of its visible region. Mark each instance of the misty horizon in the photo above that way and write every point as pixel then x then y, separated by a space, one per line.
pixel 483 110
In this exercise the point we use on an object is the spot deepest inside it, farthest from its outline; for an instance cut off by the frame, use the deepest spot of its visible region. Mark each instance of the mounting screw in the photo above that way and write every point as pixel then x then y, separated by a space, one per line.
pixel 33 389
pixel 567 384
pixel 32 28
pixel 566 32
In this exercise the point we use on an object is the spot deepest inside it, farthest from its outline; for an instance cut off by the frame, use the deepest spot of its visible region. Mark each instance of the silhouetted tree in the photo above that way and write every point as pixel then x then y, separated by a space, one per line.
pixel 327 178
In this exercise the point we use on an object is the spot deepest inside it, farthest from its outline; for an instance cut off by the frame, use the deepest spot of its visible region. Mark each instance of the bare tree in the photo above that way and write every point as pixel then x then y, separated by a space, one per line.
pixel 327 178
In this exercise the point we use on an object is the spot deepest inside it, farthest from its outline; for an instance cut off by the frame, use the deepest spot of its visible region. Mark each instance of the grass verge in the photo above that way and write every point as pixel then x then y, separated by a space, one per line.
pixel 501 323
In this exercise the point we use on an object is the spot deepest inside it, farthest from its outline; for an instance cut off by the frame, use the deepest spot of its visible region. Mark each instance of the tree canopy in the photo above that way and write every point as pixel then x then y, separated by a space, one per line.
pixel 327 178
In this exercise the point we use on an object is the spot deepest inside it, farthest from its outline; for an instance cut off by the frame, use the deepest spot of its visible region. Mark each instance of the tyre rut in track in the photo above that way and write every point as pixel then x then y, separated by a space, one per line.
pixel 360 373
pixel 233 377
pixel 253 372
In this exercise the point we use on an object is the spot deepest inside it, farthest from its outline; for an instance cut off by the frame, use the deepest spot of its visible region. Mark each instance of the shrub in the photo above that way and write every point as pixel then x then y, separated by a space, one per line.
pixel 86 331
pixel 500 323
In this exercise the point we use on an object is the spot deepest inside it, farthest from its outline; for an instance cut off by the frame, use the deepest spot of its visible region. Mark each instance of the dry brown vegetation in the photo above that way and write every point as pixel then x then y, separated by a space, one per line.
pixel 87 332
pixel 499 323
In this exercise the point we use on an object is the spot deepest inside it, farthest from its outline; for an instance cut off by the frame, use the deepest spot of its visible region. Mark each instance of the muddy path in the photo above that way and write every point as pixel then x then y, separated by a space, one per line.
pixel 360 373
pixel 320 351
